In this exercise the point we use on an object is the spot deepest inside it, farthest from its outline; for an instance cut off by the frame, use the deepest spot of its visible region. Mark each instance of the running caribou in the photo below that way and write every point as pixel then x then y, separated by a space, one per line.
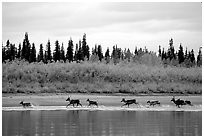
pixel 25 104
pixel 153 103
pixel 73 102
pixel 128 102
pixel 180 102
pixel 92 102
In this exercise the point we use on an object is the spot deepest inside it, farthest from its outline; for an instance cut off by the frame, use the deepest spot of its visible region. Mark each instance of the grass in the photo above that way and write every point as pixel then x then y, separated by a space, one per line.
pixel 86 77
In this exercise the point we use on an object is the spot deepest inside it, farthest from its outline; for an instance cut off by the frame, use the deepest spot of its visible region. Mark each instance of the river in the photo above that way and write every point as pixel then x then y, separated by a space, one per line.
pixel 101 122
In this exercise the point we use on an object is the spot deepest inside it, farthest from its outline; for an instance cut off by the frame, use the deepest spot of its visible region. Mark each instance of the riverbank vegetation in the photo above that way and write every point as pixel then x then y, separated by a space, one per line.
pixel 87 77
pixel 119 71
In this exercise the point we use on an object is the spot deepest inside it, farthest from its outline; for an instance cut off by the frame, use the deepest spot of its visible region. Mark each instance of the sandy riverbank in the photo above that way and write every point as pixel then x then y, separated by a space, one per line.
pixel 12 100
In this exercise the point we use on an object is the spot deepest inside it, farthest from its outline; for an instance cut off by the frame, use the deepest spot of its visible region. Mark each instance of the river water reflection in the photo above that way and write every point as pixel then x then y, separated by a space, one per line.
pixel 85 123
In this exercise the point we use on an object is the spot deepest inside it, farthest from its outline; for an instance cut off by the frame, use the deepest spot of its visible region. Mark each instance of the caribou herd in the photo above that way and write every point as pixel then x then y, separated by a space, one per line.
pixel 76 102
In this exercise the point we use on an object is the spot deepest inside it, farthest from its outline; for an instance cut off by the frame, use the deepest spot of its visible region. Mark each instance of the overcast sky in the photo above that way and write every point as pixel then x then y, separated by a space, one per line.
pixel 127 24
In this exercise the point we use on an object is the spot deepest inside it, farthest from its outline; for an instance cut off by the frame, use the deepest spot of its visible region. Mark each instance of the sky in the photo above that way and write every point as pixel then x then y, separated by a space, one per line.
pixel 127 24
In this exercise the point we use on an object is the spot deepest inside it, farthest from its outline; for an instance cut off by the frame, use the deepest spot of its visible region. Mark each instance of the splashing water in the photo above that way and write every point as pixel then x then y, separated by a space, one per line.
pixel 109 108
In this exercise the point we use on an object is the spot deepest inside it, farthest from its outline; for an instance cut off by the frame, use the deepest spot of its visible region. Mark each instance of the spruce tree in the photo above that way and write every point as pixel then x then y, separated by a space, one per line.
pixel 160 53
pixel 56 54
pixel 107 56
pixel 40 54
pixel 69 55
pixel 192 57
pixel 62 53
pixel 80 55
pixel 3 53
pixel 19 51
pixel 163 55
pixel 33 53
pixel 7 50
pixel 95 51
pixel 76 53
pixel 87 52
pixel 119 53
pixel 12 52
pixel 128 55
pixel 136 52
pixel 186 54
pixel 171 55
pixel 100 53
pixel 48 52
pixel 84 46
pixel 26 48
pixel 199 57
pixel 180 54
pixel 113 55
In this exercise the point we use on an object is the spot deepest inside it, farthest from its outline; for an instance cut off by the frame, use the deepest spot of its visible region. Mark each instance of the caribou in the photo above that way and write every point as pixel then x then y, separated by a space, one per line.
pixel 73 102
pixel 92 102
pixel 25 104
pixel 153 103
pixel 128 102
pixel 180 102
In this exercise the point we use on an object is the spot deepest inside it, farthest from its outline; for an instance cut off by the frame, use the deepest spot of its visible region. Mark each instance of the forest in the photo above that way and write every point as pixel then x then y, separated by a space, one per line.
pixel 81 71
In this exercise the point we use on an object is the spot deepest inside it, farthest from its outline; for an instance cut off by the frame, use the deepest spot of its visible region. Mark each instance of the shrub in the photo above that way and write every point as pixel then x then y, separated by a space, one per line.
pixel 90 77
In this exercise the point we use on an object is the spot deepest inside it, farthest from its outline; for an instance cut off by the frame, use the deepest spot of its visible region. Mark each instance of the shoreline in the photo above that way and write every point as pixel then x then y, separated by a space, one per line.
pixel 59 99
pixel 102 94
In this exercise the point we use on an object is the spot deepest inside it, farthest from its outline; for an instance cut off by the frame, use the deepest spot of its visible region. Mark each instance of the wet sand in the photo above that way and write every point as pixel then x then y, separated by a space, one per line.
pixel 46 99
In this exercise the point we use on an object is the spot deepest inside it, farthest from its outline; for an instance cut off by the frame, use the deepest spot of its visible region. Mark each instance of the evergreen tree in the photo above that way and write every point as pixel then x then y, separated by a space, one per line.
pixel 87 52
pixel 12 52
pixel 95 51
pixel 113 55
pixel 84 51
pixel 122 55
pixel 76 53
pixel 7 50
pixel 80 55
pixel 180 54
pixel 128 55
pixel 100 53
pixel 163 54
pixel 136 52
pixel 69 55
pixel 199 57
pixel 19 51
pixel 171 54
pixel 140 52
pixel 192 56
pixel 3 53
pixel 186 54
pixel 119 53
pixel 160 53
pixel 56 54
pixel 62 53
pixel 40 54
pixel 33 53
pixel 145 50
pixel 26 48
pixel 107 56
pixel 48 52
pixel 187 60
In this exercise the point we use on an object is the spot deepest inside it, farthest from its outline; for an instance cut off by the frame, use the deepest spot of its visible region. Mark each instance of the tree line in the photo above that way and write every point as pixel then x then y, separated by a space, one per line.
pixel 27 52
pixel 186 59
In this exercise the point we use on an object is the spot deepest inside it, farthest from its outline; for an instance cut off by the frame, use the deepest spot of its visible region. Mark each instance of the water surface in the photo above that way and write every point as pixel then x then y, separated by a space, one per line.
pixel 96 122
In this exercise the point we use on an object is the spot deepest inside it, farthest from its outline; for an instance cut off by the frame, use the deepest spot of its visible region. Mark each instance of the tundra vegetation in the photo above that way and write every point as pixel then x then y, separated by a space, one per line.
pixel 78 71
